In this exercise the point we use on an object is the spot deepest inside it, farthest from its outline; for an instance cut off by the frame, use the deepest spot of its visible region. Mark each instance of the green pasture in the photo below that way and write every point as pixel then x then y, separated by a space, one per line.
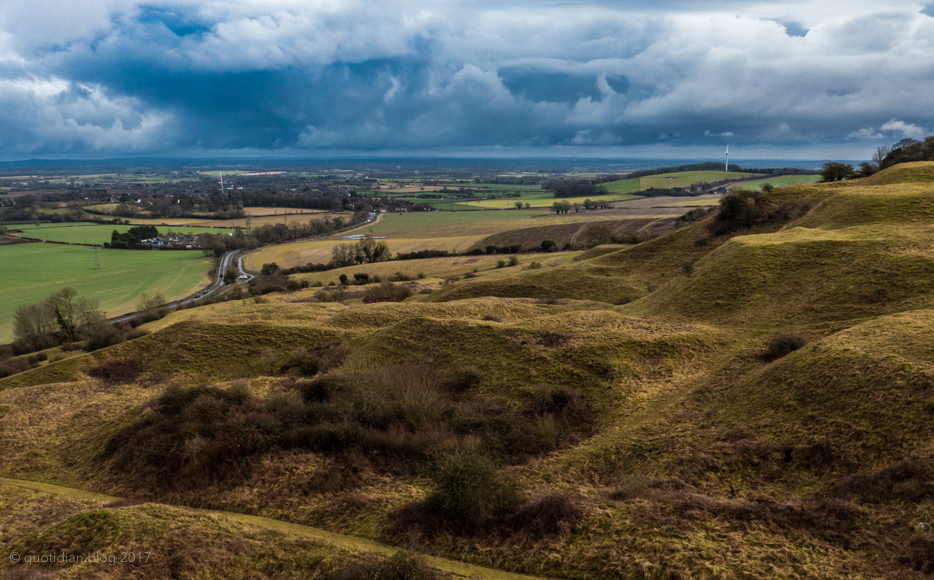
pixel 686 178
pixel 779 181
pixel 677 179
pixel 46 225
pixel 98 234
pixel 31 272
pixel 622 186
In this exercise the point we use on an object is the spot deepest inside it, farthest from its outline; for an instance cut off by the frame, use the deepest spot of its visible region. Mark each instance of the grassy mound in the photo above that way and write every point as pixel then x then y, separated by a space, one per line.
pixel 155 541
pixel 803 276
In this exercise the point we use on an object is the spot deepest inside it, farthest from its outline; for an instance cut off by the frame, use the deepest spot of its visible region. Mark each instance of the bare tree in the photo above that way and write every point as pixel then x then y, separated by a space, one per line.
pixel 35 325
pixel 881 153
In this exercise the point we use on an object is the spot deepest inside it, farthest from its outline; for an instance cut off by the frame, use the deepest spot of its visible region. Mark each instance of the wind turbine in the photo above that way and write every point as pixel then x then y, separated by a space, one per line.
pixel 727 166
pixel 221 173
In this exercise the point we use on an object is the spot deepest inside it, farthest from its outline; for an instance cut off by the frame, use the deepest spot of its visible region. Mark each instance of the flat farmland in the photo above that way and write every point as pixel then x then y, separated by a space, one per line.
pixel 280 211
pixel 442 224
pixel 779 181
pixel 677 179
pixel 319 251
pixel 544 201
pixel 31 272
pixel 255 222
pixel 686 178
pixel 451 231
pixel 623 186
pixel 98 234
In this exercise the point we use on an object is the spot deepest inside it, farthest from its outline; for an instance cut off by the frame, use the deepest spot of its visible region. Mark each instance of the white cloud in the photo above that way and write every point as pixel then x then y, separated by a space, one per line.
pixel 50 114
pixel 906 129
pixel 866 133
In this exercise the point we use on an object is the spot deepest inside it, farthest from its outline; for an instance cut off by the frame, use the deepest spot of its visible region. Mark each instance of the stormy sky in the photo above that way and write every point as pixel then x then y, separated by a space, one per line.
pixel 793 79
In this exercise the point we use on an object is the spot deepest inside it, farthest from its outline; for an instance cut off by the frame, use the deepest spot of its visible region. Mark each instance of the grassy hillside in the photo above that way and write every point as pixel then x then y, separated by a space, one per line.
pixel 733 399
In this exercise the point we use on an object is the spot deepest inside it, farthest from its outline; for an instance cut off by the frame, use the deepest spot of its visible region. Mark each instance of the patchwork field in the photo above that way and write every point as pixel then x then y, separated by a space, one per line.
pixel 779 181
pixel 260 216
pixel 98 234
pixel 32 272
pixel 455 232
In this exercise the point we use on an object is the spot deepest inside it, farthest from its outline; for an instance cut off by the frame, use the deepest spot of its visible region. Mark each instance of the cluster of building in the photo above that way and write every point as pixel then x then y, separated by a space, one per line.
pixel 174 242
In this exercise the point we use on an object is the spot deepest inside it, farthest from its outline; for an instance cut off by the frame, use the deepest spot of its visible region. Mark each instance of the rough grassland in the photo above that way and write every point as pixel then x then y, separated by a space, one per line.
pixel 32 272
pixel 760 407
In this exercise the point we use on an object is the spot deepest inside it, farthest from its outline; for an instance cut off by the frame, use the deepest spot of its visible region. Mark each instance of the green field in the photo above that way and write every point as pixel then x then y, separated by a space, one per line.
pixel 31 272
pixel 531 194
pixel 45 225
pixel 687 178
pixel 677 179
pixel 622 186
pixel 99 234
pixel 779 181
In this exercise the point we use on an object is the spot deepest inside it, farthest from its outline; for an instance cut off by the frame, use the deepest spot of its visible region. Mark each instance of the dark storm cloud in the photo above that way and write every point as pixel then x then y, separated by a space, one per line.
pixel 282 75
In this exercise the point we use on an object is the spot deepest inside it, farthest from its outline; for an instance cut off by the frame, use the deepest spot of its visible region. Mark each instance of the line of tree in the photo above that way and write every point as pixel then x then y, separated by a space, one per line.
pixel 574 188
pixel 365 251
pixel 60 318
pixel 279 233
pixel 132 237
pixel 905 151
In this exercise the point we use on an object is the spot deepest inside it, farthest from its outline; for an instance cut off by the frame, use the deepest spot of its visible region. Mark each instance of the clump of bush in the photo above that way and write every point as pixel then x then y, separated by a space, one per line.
pixel 329 295
pixel 117 371
pixel 394 416
pixel 744 209
pixel 468 488
pixel 17 365
pixel 387 292
pixel 690 217
pixel 400 566
pixel 783 344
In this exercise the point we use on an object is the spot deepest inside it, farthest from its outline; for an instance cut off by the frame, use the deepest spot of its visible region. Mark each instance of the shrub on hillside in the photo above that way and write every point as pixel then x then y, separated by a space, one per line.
pixel 690 217
pixel 400 566
pixel 468 488
pixel 744 209
pixel 14 366
pixel 549 515
pixel 393 415
pixel 116 371
pixel 387 292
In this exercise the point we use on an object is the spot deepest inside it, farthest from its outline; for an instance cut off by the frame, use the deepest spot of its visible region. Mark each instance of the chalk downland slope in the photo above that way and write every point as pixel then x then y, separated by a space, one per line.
pixel 752 404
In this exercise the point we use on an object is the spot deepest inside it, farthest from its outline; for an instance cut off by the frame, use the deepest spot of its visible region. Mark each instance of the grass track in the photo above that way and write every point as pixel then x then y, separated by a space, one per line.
pixel 338 540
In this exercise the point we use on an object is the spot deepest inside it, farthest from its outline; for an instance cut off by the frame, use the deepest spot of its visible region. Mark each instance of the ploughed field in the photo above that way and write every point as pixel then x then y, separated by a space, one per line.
pixel 746 396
